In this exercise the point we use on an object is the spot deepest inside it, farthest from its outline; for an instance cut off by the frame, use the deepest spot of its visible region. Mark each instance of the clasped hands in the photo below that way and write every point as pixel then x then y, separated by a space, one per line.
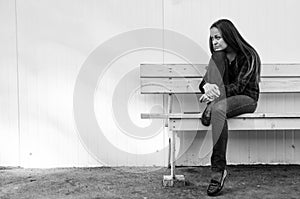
pixel 212 92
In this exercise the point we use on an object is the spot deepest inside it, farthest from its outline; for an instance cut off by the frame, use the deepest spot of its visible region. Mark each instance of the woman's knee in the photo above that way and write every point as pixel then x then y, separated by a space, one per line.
pixel 219 110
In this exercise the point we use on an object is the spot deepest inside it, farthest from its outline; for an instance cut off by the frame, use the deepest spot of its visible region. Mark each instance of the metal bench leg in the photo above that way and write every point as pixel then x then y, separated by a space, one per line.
pixel 173 180
pixel 169 154
pixel 167 124
pixel 173 154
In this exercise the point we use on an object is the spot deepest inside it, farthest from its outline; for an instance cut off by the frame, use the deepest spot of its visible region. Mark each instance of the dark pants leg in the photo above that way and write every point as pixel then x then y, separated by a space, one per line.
pixel 221 110
pixel 217 70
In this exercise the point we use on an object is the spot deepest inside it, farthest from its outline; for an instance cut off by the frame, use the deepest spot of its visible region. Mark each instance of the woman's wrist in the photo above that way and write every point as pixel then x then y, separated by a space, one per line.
pixel 205 87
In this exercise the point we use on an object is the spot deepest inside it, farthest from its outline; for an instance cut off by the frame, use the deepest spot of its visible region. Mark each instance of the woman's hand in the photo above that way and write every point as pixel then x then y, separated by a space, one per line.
pixel 205 99
pixel 211 90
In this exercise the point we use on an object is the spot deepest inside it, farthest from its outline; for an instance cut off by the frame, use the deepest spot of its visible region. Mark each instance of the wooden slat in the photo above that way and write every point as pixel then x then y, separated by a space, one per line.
pixel 280 70
pixel 280 85
pixel 198 115
pixel 198 70
pixel 240 124
pixel 254 121
pixel 154 116
pixel 172 70
pixel 190 85
pixel 170 85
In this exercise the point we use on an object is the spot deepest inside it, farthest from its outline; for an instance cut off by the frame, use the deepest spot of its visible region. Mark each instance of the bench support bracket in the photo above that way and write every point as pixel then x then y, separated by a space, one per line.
pixel 177 181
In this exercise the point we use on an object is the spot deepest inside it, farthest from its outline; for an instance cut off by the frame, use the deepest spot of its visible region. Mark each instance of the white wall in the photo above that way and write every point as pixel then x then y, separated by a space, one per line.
pixel 9 134
pixel 55 39
pixel 59 40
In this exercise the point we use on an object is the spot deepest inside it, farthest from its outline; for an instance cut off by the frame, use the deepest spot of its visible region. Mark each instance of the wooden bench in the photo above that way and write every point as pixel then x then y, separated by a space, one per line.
pixel 172 79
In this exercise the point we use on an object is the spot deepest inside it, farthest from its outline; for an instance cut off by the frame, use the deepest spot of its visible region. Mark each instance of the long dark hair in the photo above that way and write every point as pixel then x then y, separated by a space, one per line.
pixel 239 45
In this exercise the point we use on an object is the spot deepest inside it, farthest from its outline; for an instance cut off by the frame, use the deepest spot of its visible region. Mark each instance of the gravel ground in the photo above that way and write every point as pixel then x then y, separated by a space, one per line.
pixel 244 181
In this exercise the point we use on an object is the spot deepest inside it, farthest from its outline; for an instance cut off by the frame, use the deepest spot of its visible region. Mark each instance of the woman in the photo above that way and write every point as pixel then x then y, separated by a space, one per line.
pixel 230 87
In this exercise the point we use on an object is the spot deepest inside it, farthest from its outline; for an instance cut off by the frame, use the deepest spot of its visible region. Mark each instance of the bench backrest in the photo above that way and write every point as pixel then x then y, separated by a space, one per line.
pixel 185 78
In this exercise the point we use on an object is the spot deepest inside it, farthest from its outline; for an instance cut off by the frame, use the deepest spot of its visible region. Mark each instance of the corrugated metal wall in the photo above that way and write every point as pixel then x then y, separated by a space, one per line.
pixel 47 45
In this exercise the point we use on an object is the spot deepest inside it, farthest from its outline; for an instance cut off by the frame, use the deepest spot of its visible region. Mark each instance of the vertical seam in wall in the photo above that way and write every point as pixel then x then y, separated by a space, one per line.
pixel 163 60
pixel 163 26
pixel 18 86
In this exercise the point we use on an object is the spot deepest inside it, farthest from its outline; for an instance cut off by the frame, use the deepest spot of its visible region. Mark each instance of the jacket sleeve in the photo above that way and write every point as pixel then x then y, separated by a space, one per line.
pixel 202 83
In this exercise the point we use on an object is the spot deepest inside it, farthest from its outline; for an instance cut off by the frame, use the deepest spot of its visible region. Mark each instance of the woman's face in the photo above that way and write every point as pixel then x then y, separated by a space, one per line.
pixel 217 39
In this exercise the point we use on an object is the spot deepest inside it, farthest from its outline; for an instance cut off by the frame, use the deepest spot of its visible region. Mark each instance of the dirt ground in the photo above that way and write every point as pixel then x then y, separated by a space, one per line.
pixel 255 181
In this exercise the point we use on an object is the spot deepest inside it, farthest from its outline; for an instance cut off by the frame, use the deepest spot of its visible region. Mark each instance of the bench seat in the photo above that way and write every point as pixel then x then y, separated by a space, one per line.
pixel 249 121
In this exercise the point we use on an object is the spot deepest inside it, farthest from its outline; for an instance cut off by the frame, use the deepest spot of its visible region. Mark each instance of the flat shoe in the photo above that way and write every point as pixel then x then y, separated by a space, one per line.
pixel 215 187
pixel 206 116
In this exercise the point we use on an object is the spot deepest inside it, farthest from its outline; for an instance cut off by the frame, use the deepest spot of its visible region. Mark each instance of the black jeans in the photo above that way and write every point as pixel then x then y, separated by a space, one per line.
pixel 223 108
